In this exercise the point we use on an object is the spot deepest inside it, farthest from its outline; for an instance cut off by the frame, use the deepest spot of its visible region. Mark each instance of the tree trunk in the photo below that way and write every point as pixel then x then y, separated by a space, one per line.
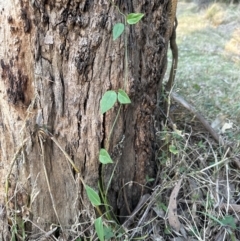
pixel 57 60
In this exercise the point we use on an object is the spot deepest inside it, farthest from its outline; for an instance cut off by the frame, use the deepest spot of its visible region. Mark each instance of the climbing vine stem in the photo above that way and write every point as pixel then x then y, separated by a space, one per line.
pixel 107 101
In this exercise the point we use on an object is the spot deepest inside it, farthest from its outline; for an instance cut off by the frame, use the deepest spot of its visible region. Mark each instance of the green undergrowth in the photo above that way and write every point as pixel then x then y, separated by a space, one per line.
pixel 208 74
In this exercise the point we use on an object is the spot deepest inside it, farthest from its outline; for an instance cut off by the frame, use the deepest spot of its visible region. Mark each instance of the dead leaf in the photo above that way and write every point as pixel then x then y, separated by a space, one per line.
pixel 226 126
pixel 172 208
pixel 218 122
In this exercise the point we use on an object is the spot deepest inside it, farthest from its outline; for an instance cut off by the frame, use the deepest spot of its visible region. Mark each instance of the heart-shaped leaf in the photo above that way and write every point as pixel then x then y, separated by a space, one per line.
pixel 118 29
pixel 123 97
pixel 134 18
pixel 108 100
pixel 104 157
pixel 173 149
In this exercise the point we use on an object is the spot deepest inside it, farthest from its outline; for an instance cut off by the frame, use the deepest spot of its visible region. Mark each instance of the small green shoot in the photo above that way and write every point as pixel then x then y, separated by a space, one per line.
pixel 104 157
pixel 228 221
pixel 134 18
pixel 108 100
pixel 149 179
pixel 162 206
pixel 108 233
pixel 99 228
pixel 118 29
pixel 123 97
pixel 167 230
pixel 13 232
pixel 173 149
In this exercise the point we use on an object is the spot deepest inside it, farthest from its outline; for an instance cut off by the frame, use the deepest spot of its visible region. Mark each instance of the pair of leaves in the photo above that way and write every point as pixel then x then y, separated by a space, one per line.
pixel 131 18
pixel 98 223
pixel 110 97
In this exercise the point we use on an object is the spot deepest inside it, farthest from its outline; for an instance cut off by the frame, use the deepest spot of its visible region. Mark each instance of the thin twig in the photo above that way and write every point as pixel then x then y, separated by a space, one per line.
pixel 40 138
pixel 11 167
pixel 189 107
pixel 205 123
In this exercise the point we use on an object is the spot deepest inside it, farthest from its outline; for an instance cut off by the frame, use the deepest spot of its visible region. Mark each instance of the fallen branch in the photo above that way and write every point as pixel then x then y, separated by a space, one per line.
pixel 205 123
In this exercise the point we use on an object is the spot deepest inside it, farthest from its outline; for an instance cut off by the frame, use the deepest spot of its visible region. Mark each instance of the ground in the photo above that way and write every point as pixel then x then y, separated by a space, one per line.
pixel 201 173
pixel 208 74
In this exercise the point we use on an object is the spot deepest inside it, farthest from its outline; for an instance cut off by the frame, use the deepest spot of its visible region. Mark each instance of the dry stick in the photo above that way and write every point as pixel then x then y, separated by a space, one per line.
pixel 66 155
pixel 185 104
pixel 222 206
pixel 228 189
pixel 11 167
pixel 144 199
pixel 46 176
pixel 208 127
pixel 174 49
pixel 152 199
pixel 39 235
pixel 125 197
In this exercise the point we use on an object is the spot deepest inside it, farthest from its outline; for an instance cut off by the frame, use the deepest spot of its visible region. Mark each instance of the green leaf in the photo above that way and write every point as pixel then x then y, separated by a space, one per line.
pixel 123 97
pixel 108 100
pixel 197 87
pixel 104 157
pixel 228 221
pixel 99 228
pixel 108 233
pixel 225 221
pixel 149 179
pixel 173 149
pixel 167 230
pixel 162 206
pixel 118 29
pixel 93 196
pixel 134 18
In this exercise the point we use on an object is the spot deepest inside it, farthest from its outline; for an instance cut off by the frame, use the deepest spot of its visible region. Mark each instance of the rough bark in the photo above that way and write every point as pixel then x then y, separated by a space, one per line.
pixel 57 60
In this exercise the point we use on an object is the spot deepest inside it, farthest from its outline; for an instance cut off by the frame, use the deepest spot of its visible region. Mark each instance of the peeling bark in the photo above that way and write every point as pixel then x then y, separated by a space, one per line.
pixel 57 60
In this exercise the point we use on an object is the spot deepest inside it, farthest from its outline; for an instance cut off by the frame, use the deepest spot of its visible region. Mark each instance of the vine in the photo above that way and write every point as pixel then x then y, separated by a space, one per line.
pixel 109 99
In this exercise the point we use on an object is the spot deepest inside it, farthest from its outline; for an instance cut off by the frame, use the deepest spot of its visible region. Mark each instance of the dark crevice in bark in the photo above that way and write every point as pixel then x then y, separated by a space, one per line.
pixel 101 186
pixel 92 69
pixel 63 93
pixel 75 174
pixel 48 60
pixel 84 164
pixel 86 99
pixel 79 122
pixel 53 109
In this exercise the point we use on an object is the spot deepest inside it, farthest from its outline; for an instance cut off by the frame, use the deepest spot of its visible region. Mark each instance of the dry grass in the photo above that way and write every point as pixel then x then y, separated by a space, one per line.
pixel 209 78
pixel 208 200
